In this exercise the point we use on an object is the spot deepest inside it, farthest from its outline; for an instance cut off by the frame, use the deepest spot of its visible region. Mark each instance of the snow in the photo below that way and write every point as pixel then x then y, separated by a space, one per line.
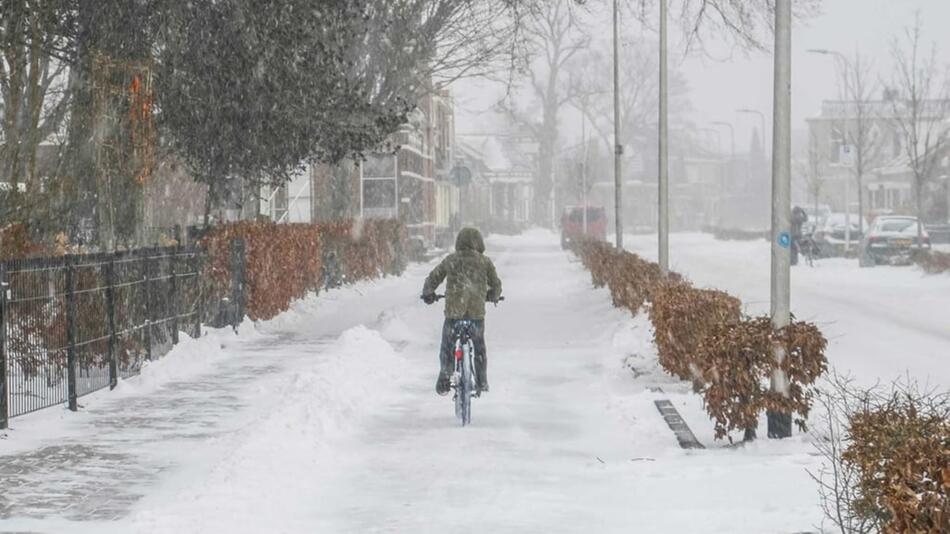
pixel 882 323
pixel 325 419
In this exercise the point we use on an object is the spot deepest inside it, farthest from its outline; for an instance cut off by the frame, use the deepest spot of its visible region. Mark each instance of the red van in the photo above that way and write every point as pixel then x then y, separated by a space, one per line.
pixel 572 224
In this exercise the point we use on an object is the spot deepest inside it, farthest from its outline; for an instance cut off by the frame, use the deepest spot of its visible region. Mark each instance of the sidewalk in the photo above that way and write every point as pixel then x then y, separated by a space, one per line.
pixel 325 420
pixel 63 471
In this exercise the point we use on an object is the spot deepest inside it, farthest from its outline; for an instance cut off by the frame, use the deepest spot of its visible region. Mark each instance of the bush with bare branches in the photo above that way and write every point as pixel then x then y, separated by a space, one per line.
pixel 887 458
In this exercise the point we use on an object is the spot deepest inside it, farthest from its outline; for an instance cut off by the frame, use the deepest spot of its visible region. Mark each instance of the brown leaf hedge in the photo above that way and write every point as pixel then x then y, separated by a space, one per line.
pixel 735 362
pixel 702 336
pixel 285 261
pixel 902 452
pixel 901 448
pixel 15 242
pixel 933 262
pixel 682 316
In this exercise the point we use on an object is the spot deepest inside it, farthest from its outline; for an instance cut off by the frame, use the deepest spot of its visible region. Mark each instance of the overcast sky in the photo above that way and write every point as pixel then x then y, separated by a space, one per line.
pixel 717 87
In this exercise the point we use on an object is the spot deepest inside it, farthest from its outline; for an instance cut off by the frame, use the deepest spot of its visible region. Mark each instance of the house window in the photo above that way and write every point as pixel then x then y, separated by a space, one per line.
pixel 379 194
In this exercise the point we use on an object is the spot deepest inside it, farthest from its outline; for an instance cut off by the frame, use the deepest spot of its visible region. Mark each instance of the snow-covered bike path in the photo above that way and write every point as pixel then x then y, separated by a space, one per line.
pixel 325 420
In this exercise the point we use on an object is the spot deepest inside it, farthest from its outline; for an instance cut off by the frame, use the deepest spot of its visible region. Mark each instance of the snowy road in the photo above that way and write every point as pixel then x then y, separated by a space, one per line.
pixel 882 323
pixel 325 420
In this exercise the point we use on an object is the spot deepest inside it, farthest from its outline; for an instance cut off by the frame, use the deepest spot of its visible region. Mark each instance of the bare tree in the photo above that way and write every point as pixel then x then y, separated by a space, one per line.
pixel 416 46
pixel 33 97
pixel 858 87
pixel 554 38
pixel 639 86
pixel 743 23
pixel 920 109
pixel 811 171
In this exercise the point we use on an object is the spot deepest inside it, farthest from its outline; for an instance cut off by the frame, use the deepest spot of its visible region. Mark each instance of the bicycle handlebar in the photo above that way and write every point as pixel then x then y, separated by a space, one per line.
pixel 440 297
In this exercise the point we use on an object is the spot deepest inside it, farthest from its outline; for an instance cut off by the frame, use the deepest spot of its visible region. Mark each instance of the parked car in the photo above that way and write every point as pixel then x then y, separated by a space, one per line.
pixel 572 224
pixel 831 236
pixel 891 239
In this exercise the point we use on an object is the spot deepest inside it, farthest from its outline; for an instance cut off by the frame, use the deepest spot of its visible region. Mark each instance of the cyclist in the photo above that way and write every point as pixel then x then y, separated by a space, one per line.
pixel 471 281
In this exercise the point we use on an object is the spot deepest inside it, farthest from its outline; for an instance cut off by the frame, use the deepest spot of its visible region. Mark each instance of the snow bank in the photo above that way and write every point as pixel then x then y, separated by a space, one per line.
pixel 190 357
pixel 278 465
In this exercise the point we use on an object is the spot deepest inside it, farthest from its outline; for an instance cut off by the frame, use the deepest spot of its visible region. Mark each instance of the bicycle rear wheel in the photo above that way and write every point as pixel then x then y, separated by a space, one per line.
pixel 466 385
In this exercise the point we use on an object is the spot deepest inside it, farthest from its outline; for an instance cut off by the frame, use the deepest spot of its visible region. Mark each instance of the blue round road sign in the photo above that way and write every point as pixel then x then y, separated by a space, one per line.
pixel 784 240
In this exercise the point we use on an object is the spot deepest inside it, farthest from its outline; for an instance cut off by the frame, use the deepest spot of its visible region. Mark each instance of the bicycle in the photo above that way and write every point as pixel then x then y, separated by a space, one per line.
pixel 464 379
pixel 809 248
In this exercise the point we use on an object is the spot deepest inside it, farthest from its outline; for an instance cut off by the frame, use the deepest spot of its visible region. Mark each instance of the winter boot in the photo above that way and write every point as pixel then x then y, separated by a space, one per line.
pixel 442 384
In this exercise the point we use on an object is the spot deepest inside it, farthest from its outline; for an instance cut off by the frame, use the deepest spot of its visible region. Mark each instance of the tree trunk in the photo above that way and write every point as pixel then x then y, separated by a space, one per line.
pixel 543 185
pixel 860 176
pixel 209 196
pixel 920 215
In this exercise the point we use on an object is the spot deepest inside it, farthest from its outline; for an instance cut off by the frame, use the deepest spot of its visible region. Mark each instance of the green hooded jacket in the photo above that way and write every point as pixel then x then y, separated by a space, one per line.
pixel 471 278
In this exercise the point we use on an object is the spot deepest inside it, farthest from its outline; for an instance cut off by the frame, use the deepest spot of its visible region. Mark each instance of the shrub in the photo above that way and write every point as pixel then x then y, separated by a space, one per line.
pixel 736 362
pixel 901 449
pixel 933 262
pixel 886 458
pixel 15 242
pixel 682 317
pixel 701 336
pixel 282 262
pixel 631 279
pixel 285 261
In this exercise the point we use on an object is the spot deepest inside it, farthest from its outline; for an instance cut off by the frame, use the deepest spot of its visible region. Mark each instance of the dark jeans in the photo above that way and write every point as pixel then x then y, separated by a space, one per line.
pixel 447 352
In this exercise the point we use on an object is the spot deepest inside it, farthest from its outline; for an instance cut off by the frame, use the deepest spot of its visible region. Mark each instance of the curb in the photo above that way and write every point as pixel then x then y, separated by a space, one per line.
pixel 684 435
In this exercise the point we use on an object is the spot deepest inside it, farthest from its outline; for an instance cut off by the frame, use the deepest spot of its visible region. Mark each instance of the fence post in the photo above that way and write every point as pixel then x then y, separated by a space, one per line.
pixel 238 265
pixel 110 315
pixel 4 406
pixel 174 293
pixel 148 306
pixel 71 333
pixel 199 299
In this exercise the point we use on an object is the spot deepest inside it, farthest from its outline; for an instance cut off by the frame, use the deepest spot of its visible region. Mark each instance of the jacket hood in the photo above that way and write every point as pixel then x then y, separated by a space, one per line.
pixel 470 239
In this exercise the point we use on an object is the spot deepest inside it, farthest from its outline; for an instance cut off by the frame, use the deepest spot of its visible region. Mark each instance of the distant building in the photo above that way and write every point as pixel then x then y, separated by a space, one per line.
pixel 888 183
pixel 506 162
pixel 411 183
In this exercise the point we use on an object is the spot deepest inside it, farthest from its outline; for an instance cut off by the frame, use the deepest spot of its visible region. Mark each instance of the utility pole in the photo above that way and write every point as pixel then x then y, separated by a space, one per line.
pixel 618 146
pixel 663 181
pixel 780 424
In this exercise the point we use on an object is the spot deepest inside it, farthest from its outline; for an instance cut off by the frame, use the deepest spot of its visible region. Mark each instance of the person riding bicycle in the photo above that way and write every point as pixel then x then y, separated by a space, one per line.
pixel 472 280
pixel 799 218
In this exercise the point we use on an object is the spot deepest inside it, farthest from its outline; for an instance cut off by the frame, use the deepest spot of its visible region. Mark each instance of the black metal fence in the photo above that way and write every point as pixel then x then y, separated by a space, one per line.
pixel 73 325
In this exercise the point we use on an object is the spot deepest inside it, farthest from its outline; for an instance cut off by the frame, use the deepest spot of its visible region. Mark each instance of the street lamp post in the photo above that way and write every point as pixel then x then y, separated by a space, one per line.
pixel 780 424
pixel 663 180
pixel 732 154
pixel 722 172
pixel 618 146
